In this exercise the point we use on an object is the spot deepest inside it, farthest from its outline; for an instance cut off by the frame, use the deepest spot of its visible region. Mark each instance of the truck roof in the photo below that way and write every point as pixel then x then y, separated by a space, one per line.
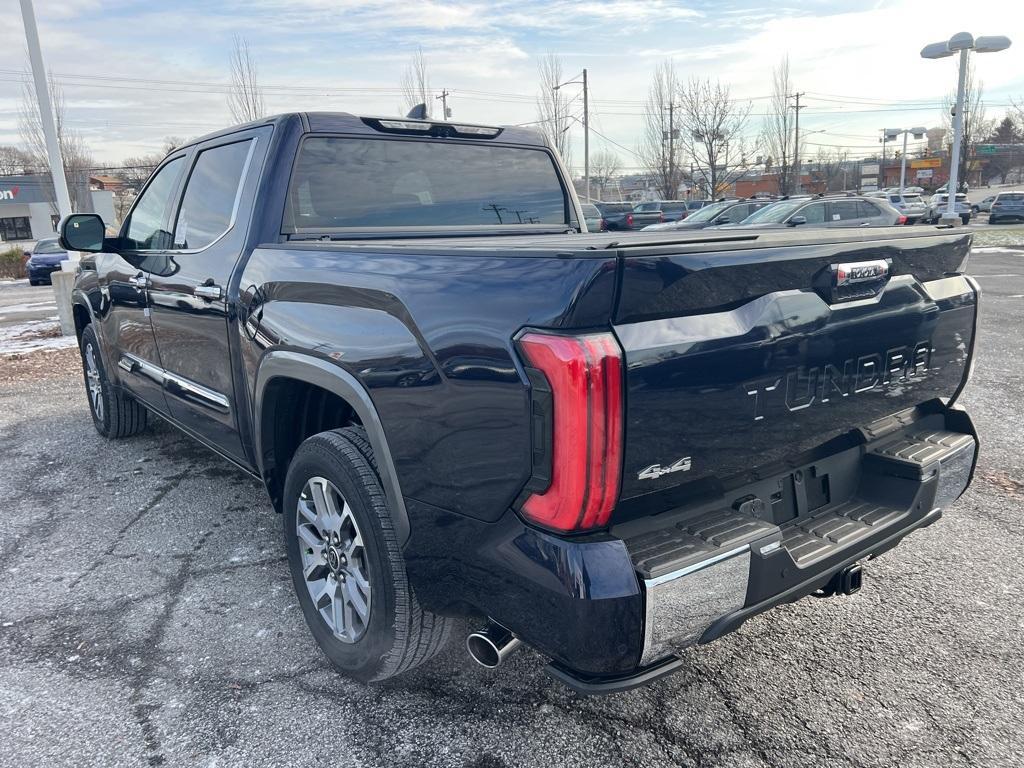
pixel 346 122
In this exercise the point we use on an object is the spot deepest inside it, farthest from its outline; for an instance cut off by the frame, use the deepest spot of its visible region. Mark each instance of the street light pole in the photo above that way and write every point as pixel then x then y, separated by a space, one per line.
pixel 958 137
pixel 53 156
pixel 962 43
pixel 586 126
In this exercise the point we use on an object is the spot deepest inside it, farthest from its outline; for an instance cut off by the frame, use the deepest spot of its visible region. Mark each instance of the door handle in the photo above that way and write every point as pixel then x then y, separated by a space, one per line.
pixel 139 281
pixel 210 292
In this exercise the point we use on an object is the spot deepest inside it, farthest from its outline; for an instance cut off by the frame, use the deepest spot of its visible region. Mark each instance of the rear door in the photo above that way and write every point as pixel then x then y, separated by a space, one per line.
pixel 190 292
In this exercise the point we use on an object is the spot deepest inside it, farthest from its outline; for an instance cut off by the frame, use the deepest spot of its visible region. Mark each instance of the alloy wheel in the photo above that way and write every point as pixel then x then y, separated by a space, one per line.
pixel 334 564
pixel 93 381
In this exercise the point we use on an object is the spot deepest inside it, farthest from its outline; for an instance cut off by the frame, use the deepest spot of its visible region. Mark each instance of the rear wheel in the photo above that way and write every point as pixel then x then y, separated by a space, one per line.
pixel 346 564
pixel 992 219
pixel 114 413
pixel 33 282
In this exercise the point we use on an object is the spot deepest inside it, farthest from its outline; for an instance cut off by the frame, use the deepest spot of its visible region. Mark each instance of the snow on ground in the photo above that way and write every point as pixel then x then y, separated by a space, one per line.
pixel 33 336
pixel 32 306
pixel 999 237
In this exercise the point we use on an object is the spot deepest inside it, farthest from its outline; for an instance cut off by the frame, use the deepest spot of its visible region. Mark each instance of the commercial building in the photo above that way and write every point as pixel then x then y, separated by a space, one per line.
pixel 28 207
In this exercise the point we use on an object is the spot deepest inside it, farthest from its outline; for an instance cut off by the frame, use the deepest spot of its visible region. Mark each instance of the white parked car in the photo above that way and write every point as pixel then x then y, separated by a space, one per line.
pixel 937 207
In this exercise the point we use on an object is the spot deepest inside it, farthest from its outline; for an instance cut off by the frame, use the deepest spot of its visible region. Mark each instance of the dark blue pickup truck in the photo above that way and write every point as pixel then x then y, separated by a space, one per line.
pixel 605 446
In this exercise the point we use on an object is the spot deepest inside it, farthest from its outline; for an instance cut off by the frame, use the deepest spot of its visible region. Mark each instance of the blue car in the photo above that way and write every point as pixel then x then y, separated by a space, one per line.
pixel 44 260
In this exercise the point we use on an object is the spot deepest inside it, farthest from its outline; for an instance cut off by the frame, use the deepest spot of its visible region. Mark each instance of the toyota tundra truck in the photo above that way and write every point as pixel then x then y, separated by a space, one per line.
pixel 607 447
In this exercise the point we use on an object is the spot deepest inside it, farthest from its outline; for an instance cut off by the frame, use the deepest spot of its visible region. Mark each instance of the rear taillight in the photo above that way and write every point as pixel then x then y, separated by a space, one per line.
pixel 629 219
pixel 582 426
pixel 901 220
pixel 661 217
pixel 604 225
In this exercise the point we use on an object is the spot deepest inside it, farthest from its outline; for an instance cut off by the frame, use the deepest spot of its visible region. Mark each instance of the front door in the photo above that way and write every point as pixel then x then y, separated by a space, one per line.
pixel 124 279
pixel 189 295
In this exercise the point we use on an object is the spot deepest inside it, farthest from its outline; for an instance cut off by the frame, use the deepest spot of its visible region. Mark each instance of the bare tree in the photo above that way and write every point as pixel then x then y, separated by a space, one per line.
pixel 245 97
pixel 75 155
pixel 712 126
pixel 826 171
pixel 554 110
pixel 416 83
pixel 777 134
pixel 14 161
pixel 604 167
pixel 135 172
pixel 976 127
pixel 660 150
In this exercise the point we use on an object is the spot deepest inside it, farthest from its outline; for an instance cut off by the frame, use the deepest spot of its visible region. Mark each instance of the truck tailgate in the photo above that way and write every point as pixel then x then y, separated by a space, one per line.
pixel 740 359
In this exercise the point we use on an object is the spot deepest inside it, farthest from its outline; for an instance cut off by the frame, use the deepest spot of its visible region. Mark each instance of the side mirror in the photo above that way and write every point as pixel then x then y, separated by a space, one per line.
pixel 82 232
pixel 722 220
pixel 796 221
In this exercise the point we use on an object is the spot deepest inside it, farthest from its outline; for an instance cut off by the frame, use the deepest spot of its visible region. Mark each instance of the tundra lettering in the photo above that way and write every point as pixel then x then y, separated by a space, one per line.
pixel 805 387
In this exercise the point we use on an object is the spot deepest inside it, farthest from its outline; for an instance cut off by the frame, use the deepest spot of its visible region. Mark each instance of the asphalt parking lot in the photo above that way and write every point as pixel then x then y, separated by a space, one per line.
pixel 147 618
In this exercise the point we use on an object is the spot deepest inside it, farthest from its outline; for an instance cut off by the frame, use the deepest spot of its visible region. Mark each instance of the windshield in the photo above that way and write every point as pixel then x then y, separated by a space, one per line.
pixel 350 183
pixel 775 213
pixel 48 246
pixel 708 212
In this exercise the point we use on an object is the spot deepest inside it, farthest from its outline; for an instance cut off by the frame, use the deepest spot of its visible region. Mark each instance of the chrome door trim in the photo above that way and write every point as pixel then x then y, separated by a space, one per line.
pixel 178 385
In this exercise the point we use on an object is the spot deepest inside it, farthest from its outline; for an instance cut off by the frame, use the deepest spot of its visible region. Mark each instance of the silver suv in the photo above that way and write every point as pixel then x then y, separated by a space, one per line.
pixel 837 211
pixel 937 208
pixel 909 204
pixel 1007 205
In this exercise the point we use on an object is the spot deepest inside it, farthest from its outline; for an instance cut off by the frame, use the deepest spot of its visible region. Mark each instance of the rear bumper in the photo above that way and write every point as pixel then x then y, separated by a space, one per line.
pixel 615 610
pixel 703 577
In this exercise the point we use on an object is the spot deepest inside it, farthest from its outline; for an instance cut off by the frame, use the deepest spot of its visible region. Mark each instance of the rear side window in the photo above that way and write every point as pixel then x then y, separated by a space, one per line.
pixel 350 183
pixel 208 205
pixel 674 208
pixel 1011 197
pixel 866 210
pixel 894 198
pixel 845 210
pixel 647 207
pixel 590 211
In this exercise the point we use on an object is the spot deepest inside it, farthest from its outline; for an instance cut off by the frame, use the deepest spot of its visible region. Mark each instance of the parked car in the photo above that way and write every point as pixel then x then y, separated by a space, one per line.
pixel 621 216
pixel 983 206
pixel 722 212
pixel 441 419
pixel 670 210
pixel 1007 205
pixel 909 204
pixel 937 208
pixel 44 260
pixel 840 211
pixel 593 217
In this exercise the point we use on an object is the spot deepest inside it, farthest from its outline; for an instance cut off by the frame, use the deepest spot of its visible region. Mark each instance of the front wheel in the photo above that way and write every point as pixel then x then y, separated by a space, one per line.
pixel 114 413
pixel 346 563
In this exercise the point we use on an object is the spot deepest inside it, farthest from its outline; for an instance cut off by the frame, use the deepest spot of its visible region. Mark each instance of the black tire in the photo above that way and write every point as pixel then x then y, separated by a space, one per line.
pixel 399 634
pixel 33 282
pixel 966 220
pixel 992 219
pixel 114 413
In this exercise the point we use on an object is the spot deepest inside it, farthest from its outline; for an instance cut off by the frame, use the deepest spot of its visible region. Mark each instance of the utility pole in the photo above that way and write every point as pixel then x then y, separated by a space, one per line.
pixel 35 55
pixel 445 114
pixel 796 143
pixel 586 133
pixel 671 150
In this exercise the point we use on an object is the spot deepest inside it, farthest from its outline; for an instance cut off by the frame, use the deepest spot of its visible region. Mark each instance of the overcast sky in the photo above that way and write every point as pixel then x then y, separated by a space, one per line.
pixel 135 72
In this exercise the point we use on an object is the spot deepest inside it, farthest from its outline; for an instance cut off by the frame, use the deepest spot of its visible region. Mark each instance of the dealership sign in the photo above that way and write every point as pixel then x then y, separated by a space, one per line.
pixel 9 193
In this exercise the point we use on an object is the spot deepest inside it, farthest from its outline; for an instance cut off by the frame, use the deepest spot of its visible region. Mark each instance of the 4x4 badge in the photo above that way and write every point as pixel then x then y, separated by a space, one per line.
pixel 655 471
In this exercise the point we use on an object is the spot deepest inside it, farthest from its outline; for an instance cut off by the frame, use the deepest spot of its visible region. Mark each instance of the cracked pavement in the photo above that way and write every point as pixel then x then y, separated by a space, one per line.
pixel 147 618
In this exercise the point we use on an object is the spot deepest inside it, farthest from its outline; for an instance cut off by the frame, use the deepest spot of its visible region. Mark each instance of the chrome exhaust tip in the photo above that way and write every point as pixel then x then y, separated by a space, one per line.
pixel 490 646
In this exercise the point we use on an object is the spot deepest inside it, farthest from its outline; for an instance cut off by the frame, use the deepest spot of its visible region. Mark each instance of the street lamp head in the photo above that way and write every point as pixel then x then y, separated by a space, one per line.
pixel 961 41
pixel 936 51
pixel 991 43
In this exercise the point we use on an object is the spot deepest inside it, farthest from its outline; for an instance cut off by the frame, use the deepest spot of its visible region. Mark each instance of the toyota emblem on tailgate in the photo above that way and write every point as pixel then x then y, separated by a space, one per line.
pixel 854 280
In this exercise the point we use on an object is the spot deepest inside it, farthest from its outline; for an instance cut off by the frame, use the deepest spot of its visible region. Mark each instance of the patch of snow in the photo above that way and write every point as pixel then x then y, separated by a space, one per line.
pixel 33 306
pixel 33 336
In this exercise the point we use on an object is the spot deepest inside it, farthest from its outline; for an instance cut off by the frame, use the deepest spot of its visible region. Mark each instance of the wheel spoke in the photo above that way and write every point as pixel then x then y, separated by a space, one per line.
pixel 333 559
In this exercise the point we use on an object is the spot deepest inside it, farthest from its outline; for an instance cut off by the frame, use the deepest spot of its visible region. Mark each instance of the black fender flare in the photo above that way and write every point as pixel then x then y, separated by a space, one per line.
pixel 321 373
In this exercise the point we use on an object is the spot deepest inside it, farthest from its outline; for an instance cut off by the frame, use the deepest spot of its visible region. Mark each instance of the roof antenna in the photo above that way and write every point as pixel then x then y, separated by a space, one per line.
pixel 419 112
